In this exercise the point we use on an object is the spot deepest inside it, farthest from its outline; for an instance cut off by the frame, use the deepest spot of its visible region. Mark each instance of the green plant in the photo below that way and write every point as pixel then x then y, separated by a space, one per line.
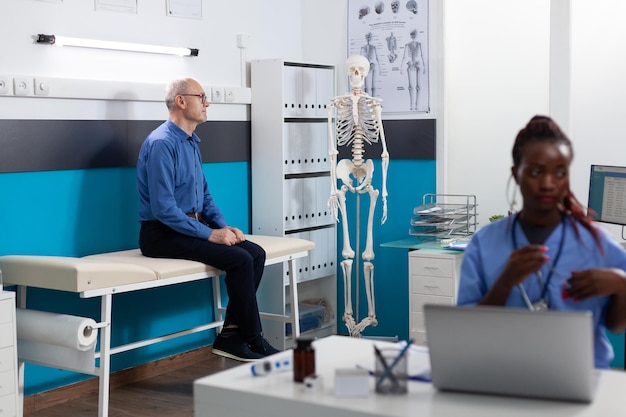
pixel 495 217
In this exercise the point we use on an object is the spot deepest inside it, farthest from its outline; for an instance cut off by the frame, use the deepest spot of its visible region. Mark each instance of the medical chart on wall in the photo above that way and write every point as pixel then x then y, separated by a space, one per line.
pixel 191 9
pixel 123 6
pixel 393 35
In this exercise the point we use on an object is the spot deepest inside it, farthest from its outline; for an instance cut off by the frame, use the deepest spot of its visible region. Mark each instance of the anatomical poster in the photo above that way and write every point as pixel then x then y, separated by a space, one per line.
pixel 393 35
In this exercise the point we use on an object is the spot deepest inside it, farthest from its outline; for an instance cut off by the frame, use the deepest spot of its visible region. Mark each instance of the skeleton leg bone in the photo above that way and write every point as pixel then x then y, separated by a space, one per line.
pixel 347 252
pixel 348 317
pixel 357 329
pixel 368 253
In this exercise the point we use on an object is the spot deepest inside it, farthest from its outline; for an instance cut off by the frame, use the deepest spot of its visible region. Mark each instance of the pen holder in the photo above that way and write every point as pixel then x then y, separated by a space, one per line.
pixel 391 371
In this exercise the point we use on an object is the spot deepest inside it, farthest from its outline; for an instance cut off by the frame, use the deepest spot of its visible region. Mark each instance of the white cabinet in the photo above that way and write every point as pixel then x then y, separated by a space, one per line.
pixel 433 279
pixel 8 356
pixel 291 185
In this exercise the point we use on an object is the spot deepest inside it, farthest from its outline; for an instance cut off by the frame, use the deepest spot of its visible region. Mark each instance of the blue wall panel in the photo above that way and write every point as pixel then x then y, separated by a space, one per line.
pixel 80 212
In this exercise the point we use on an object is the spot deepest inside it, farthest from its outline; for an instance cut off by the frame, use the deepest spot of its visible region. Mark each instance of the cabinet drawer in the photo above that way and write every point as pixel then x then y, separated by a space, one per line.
pixel 7 406
pixel 7 359
pixel 432 267
pixel 6 311
pixel 418 301
pixel 7 383
pixel 432 285
pixel 6 335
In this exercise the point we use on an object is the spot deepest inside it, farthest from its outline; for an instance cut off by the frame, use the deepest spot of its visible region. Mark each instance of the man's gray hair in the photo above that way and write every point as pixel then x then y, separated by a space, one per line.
pixel 175 88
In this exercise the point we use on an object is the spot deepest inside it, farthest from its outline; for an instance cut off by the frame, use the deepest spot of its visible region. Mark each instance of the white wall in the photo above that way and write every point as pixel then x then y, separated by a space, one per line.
pixel 498 73
pixel 496 76
pixel 273 27
pixel 599 89
pixel 324 35
pixel 214 35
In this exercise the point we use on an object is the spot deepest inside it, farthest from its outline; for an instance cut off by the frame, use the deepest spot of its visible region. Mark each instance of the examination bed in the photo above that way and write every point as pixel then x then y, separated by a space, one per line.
pixel 106 274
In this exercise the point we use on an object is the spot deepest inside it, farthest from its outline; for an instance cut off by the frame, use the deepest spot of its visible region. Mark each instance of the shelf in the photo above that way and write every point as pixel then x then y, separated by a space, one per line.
pixel 443 216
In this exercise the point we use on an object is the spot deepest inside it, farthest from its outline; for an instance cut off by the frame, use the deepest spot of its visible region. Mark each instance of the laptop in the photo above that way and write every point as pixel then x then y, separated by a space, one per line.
pixel 515 352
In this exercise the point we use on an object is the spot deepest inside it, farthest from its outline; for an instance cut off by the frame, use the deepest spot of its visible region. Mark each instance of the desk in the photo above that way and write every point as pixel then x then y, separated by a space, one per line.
pixel 235 392
pixel 413 243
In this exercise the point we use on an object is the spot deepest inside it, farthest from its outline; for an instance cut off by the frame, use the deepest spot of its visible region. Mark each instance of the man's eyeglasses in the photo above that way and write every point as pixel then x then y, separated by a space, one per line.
pixel 202 97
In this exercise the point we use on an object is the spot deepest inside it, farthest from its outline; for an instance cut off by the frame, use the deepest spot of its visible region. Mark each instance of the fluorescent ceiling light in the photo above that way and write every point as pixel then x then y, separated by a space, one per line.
pixel 118 46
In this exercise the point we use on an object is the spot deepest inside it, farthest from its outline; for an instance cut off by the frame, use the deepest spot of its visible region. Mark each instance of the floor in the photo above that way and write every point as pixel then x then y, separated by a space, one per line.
pixel 170 394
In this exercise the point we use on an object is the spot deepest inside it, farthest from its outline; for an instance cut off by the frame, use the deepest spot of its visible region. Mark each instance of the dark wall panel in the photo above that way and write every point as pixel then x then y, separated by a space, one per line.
pixel 48 145
pixel 406 139
pixel 225 141
pixel 38 145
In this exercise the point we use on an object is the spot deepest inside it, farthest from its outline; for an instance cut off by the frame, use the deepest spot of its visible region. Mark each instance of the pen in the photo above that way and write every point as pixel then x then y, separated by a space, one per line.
pixel 382 360
pixel 265 367
pixel 395 361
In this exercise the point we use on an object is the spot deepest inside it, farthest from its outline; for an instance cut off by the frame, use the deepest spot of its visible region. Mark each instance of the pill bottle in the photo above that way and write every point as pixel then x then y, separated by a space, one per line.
pixel 303 359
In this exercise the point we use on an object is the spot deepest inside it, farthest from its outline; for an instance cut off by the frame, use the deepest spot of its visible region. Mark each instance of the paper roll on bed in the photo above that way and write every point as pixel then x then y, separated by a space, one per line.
pixel 57 340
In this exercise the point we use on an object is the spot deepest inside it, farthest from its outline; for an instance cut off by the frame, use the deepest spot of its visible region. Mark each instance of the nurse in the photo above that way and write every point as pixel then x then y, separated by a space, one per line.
pixel 549 255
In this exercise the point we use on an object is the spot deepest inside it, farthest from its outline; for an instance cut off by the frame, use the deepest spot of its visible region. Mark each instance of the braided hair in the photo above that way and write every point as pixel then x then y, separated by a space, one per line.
pixel 544 129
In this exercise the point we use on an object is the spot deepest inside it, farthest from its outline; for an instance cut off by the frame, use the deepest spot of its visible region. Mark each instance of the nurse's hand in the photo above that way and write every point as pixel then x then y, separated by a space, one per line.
pixel 595 283
pixel 522 263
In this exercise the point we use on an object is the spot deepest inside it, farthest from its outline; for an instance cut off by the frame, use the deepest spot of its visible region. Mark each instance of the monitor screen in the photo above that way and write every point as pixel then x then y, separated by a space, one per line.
pixel 607 194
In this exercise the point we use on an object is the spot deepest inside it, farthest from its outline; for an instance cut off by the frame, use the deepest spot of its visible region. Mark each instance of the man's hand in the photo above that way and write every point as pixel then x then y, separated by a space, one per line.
pixel 228 236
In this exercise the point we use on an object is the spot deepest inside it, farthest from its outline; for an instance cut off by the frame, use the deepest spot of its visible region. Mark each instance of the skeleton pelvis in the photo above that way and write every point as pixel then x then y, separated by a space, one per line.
pixel 347 170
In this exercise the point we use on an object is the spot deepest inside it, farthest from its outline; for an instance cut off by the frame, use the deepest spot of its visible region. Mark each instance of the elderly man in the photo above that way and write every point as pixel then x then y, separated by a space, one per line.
pixel 179 219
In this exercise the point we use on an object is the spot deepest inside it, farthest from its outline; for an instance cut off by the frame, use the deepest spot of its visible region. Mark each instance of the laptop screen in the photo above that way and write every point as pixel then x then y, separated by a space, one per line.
pixel 510 351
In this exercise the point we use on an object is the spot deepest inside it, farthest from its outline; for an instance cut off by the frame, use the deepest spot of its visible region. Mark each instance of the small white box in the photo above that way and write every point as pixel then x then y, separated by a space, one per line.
pixel 352 383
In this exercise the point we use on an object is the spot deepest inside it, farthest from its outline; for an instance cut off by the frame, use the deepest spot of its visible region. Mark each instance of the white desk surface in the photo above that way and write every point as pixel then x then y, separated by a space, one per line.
pixel 235 392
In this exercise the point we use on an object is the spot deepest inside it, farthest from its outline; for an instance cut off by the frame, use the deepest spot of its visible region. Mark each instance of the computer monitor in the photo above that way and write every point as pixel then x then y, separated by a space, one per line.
pixel 607 194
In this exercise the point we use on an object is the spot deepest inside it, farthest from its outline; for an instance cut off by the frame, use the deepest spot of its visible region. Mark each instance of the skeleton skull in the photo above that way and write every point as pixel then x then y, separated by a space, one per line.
pixel 364 11
pixel 395 5
pixel 411 6
pixel 358 68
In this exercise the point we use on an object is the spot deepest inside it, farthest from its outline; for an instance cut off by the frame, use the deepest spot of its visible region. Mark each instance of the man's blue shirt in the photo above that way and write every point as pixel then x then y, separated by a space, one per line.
pixel 171 183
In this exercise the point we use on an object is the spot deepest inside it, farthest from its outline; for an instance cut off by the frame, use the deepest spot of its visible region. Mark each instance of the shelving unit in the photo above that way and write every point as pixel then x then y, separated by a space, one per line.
pixel 444 215
pixel 291 185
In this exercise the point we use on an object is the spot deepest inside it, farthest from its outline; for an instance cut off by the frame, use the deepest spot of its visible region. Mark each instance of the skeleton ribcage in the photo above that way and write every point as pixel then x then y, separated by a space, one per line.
pixel 356 121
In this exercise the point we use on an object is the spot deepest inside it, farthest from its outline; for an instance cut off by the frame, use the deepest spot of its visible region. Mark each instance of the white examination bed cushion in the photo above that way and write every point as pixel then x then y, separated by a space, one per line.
pixel 113 269
pixel 69 274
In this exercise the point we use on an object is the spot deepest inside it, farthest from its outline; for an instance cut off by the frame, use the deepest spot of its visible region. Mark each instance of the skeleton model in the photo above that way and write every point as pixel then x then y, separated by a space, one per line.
pixel 414 58
pixel 369 51
pixel 358 122
pixel 392 44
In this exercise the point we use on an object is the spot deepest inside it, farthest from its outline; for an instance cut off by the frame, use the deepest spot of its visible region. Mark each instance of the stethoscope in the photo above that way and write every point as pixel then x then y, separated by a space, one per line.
pixel 542 303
